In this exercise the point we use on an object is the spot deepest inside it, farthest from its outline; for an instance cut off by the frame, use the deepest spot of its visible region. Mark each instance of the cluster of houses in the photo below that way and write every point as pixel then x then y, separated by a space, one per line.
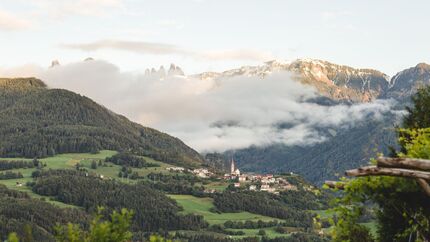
pixel 253 182
pixel 267 183
pixel 201 172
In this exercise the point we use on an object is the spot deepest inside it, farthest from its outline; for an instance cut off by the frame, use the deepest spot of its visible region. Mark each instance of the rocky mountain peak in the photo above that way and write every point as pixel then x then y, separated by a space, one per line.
pixel 21 83
pixel 54 63
pixel 175 71
pixel 161 73
pixel 406 82
pixel 423 67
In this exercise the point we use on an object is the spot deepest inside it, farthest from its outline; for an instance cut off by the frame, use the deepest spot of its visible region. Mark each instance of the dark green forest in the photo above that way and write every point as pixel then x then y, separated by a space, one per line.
pixel 262 203
pixel 153 210
pixel 21 214
pixel 39 122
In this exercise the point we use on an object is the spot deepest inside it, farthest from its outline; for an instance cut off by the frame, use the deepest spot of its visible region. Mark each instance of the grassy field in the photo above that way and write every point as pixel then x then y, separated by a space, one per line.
pixel 68 161
pixel 218 186
pixel 202 207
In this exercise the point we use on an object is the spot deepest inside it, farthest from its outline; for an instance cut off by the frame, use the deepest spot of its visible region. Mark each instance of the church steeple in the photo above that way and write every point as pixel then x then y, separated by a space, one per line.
pixel 232 167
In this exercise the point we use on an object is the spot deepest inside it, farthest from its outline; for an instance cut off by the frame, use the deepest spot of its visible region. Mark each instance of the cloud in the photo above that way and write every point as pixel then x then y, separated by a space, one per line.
pixel 28 70
pixel 63 8
pixel 215 115
pixel 242 54
pixel 12 22
pixel 141 47
pixel 40 10
pixel 131 46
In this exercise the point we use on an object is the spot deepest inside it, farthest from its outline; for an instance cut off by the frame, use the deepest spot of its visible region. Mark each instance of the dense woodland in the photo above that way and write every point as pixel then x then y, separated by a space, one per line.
pixel 15 164
pixel 264 204
pixel 40 122
pixel 24 215
pixel 129 160
pixel 153 210
pixel 10 175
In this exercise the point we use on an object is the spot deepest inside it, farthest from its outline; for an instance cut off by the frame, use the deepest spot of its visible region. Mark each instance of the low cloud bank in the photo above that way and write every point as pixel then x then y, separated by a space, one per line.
pixel 212 115
pixel 153 48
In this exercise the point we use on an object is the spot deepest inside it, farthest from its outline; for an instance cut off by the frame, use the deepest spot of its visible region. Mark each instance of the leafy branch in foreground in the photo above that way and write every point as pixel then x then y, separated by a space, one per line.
pixel 114 230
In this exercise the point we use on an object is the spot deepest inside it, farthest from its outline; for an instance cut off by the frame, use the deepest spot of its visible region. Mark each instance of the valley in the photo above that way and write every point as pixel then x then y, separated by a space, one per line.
pixel 196 202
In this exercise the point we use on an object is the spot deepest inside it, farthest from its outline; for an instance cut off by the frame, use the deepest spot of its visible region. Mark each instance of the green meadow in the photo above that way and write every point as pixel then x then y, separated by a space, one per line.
pixel 69 161
pixel 202 206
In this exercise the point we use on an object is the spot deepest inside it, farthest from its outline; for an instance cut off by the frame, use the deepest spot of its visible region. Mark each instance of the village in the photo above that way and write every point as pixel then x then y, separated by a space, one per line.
pixel 250 181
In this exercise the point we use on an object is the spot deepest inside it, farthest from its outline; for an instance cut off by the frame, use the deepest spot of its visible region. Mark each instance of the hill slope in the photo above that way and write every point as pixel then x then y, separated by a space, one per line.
pixel 36 122
pixel 348 149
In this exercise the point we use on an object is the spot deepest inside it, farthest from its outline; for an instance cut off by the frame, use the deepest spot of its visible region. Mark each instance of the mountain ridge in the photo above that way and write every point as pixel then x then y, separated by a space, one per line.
pixel 335 81
pixel 36 121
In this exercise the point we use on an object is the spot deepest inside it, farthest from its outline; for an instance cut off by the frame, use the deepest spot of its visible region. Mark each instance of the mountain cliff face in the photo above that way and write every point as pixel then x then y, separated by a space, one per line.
pixel 337 82
pixel 405 83
pixel 36 121
pixel 341 82
pixel 23 84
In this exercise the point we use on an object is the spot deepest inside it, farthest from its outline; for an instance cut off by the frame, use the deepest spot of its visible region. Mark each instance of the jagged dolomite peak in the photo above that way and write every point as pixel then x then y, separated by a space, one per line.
pixel 175 71
pixel 54 63
pixel 338 82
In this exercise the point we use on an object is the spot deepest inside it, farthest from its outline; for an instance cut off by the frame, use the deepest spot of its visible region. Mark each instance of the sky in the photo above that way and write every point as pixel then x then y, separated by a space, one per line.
pixel 214 35
pixel 124 37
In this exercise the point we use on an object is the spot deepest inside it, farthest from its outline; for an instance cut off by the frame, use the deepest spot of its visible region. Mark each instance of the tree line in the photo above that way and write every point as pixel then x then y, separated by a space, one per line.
pixel 153 210
pixel 261 203
pixel 129 160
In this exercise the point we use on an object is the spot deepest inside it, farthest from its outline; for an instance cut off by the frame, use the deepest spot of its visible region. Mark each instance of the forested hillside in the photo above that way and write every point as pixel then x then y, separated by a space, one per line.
pixel 24 215
pixel 37 122
pixel 153 210
pixel 344 149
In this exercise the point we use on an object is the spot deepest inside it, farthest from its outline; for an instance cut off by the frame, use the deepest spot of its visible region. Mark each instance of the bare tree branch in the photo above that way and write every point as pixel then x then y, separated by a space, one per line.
pixel 424 185
pixel 408 163
pixel 378 171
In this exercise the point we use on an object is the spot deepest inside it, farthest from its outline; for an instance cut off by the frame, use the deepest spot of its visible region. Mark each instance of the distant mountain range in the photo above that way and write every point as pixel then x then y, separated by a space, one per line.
pixel 345 148
pixel 338 82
